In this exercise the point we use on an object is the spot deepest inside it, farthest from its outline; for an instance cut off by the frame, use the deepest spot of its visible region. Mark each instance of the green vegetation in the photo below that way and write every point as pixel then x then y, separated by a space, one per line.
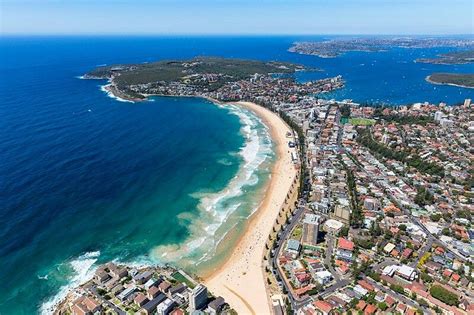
pixel 426 277
pixel 444 295
pixel 356 217
pixel 302 148
pixel 412 160
pixel 361 121
pixel 344 231
pixel 297 232
pixel 397 288
pixel 180 70
pixel 345 111
pixel 383 306
pixel 424 197
pixel 367 244
pixel 402 119
pixel 460 79
pixel 435 217
pixel 181 278
pixel 451 58
pixel 374 275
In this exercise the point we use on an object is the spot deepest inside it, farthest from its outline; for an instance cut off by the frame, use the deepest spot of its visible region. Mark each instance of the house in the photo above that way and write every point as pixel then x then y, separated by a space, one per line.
pixel 345 249
pixel 153 292
pixel 406 272
pixel 293 247
pixel 85 305
pixel 301 279
pixel 361 305
pixel 177 311
pixel 150 306
pixel 143 277
pixel 389 248
pixel 323 307
pixel 151 282
pixel 370 309
pixel 165 307
pixel 323 277
pixel 366 285
pixel 360 291
pixel 407 253
pixel 164 286
pixel 216 306
pixel 126 293
pixel 390 301
pixel 342 266
pixel 101 276
pixel 140 299
pixel 116 271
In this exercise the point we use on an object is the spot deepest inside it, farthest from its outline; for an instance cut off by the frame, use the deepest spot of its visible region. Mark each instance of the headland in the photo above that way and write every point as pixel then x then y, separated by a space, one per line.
pixel 465 80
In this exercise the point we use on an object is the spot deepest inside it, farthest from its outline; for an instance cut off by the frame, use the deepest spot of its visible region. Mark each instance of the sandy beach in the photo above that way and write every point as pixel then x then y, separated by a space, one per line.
pixel 241 279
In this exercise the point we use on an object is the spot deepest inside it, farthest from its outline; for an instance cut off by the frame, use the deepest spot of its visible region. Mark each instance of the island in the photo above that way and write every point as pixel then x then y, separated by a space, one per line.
pixel 451 58
pixel 221 79
pixel 465 80
pixel 339 46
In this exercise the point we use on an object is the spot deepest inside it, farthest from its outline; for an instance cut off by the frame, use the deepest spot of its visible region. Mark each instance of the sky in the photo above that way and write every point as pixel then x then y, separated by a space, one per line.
pixel 201 17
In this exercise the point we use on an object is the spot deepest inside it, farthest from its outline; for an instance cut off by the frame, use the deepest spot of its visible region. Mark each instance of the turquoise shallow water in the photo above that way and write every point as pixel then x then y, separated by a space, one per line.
pixel 85 179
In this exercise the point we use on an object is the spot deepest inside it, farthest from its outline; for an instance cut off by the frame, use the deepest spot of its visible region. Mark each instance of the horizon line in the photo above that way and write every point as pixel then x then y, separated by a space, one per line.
pixel 230 34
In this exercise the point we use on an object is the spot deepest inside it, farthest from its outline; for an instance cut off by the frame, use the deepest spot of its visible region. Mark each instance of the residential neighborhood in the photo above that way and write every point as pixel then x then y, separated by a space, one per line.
pixel 120 289
pixel 389 194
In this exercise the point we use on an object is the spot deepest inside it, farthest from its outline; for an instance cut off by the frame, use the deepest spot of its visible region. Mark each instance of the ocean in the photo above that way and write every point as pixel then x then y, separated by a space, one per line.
pixel 85 178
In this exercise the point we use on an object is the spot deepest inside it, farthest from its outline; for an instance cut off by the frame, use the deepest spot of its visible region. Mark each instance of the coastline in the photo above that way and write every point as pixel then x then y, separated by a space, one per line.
pixel 240 279
pixel 244 266
pixel 428 79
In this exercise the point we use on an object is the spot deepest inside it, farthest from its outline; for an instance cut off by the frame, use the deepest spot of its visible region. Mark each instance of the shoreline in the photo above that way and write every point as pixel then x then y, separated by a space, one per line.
pixel 245 265
pixel 428 79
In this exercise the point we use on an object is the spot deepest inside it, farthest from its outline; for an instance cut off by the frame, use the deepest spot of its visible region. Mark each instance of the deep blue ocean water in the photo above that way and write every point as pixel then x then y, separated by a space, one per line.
pixel 85 178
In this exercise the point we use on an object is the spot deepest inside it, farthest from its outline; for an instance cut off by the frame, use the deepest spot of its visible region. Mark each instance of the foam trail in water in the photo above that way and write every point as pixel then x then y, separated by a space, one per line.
pixel 103 88
pixel 82 268
pixel 215 208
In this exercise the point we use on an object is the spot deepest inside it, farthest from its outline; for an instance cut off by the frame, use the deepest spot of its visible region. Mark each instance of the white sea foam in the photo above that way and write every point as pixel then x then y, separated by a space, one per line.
pixel 215 208
pixel 82 269
pixel 103 88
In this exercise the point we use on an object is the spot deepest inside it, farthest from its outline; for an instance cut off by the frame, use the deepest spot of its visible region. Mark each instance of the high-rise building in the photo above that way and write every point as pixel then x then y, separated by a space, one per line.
pixel 198 298
pixel 311 229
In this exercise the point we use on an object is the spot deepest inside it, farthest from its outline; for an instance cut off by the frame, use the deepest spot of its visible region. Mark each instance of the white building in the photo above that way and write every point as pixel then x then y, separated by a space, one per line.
pixel 323 277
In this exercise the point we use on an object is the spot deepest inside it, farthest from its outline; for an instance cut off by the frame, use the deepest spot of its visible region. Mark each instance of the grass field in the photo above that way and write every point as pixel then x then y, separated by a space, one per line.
pixel 180 278
pixel 361 121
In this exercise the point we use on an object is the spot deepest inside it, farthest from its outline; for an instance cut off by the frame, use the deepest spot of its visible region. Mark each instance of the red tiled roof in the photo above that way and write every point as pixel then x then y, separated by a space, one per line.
pixel 366 285
pixel 407 252
pixel 345 244
pixel 323 306
pixel 447 273
pixel 389 300
pixel 303 290
pixel 361 305
pixel 401 307
pixel 370 309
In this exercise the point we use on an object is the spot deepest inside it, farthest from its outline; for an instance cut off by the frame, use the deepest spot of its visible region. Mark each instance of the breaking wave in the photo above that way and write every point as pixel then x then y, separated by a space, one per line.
pixel 80 270
pixel 209 228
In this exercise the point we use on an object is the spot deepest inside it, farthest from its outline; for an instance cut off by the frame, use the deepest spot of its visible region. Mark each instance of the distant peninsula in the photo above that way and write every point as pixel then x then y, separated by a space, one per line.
pixel 451 58
pixel 465 80
pixel 221 79
pixel 337 47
